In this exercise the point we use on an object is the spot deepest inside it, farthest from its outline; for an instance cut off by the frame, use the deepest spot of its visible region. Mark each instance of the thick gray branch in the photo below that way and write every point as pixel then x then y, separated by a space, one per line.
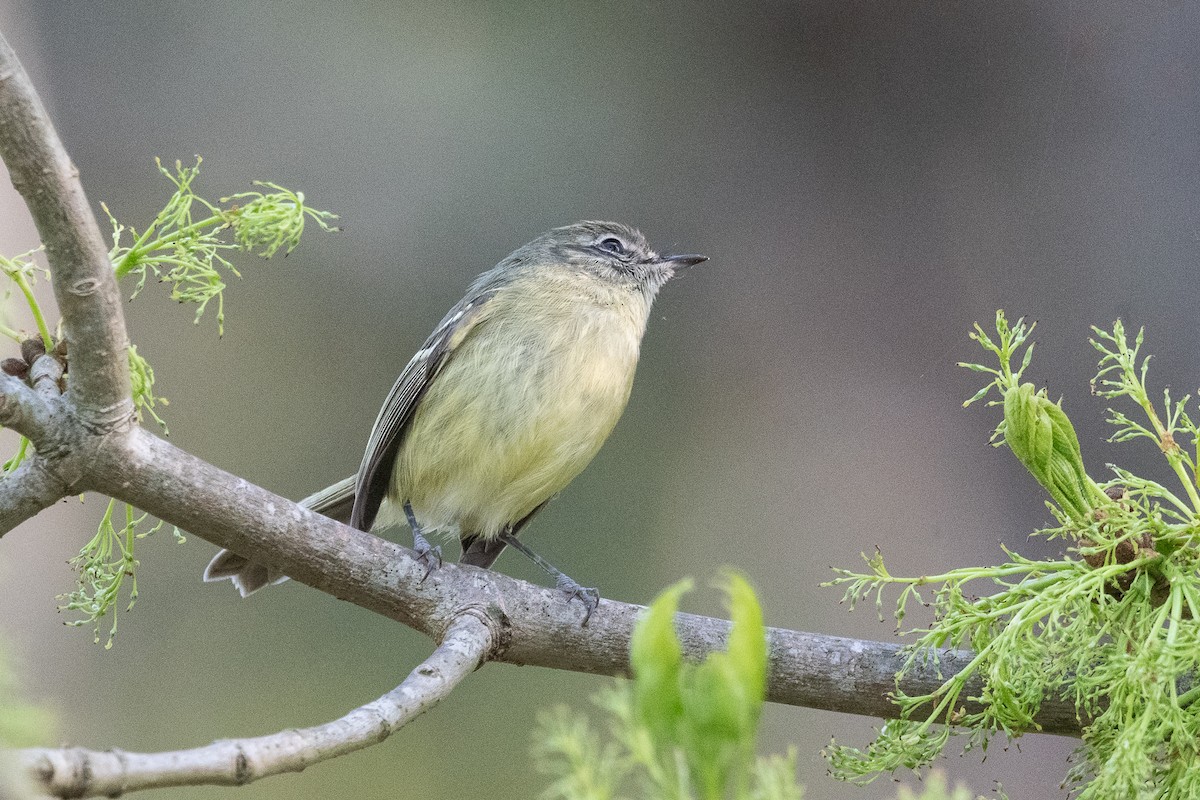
pixel 537 626
pixel 75 772
pixel 81 272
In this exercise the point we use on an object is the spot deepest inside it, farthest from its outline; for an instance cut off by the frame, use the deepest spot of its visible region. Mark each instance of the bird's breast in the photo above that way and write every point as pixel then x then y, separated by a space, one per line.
pixel 518 410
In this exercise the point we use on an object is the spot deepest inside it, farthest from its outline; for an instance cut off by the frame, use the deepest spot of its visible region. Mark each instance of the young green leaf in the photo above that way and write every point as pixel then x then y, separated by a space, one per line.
pixel 657 658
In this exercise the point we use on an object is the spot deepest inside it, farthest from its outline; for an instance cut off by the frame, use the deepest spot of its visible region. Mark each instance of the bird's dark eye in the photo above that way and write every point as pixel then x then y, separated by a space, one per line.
pixel 611 245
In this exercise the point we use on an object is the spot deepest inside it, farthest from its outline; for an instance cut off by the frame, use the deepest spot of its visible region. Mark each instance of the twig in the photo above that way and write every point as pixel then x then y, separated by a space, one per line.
pixel 76 772
pixel 45 374
pixel 24 411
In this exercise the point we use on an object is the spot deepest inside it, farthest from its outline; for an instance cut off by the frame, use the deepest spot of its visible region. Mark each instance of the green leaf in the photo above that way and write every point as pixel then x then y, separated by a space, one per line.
pixel 713 729
pixel 723 696
pixel 657 658
pixel 747 643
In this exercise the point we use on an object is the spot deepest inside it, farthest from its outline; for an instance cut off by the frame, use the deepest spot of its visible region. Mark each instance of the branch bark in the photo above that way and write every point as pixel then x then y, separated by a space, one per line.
pixel 27 491
pixel 76 772
pixel 26 411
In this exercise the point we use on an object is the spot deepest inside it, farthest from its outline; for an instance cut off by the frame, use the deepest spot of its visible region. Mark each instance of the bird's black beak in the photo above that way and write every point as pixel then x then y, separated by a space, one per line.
pixel 681 261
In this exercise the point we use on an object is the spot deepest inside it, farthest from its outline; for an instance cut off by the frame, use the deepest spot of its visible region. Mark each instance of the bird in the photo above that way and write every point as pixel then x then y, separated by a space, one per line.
pixel 505 403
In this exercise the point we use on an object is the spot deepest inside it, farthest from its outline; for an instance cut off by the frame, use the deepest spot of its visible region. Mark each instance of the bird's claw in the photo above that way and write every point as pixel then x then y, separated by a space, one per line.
pixel 429 556
pixel 589 596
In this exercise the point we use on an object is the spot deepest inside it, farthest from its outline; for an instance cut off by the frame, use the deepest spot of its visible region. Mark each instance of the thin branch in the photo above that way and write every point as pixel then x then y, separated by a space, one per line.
pixel 40 415
pixel 75 772
pixel 45 374
pixel 25 411
pixel 27 490
pixel 77 253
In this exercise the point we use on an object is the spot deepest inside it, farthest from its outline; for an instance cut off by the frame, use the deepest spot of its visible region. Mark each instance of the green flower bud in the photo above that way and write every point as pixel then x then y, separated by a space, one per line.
pixel 1042 437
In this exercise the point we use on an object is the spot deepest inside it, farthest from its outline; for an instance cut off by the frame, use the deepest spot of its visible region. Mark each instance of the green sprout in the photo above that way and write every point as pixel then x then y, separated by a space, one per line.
pixel 103 565
pixel 707 711
pixel 1111 626
pixel 141 376
pixel 23 273
pixel 1034 428
pixel 264 223
pixel 682 730
pixel 185 246
pixel 1121 376
pixel 17 457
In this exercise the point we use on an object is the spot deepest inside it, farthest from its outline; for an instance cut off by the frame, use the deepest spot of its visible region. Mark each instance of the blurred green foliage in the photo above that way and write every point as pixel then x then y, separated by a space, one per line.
pixel 21 724
pixel 680 730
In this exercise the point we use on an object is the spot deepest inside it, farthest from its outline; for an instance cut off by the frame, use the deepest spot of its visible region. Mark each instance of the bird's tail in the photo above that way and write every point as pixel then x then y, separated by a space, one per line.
pixel 480 552
pixel 334 502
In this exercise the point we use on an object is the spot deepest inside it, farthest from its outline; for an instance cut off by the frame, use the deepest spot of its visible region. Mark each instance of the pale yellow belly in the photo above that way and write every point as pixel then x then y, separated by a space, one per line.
pixel 510 421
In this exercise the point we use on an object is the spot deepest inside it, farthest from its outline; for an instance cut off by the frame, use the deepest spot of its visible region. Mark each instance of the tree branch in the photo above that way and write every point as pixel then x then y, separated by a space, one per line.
pixel 27 490
pixel 537 626
pixel 75 772
pixel 44 417
pixel 25 411
pixel 45 374
pixel 80 269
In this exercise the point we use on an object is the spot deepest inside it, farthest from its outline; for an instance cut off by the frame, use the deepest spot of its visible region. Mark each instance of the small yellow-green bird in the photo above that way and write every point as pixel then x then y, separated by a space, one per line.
pixel 508 400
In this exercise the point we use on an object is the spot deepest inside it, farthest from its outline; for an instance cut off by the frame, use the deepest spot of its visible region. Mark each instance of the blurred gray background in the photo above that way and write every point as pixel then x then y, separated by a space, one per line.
pixel 868 180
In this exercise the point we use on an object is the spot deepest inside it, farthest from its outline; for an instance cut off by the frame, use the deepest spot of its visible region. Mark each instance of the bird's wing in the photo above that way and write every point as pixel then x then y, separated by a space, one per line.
pixel 375 472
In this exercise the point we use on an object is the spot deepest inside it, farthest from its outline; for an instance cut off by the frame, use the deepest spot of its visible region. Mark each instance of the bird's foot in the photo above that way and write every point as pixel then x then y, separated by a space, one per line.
pixel 589 596
pixel 429 556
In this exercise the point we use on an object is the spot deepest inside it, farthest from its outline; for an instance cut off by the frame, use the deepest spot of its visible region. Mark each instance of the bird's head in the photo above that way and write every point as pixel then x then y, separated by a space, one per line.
pixel 612 252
